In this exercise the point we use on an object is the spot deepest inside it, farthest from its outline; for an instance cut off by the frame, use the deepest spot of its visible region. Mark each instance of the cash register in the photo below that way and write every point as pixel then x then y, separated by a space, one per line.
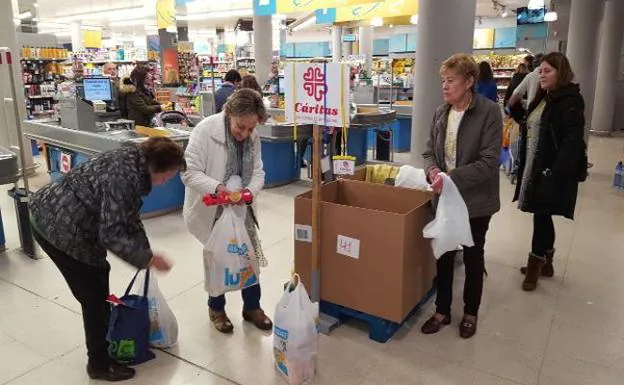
pixel 94 108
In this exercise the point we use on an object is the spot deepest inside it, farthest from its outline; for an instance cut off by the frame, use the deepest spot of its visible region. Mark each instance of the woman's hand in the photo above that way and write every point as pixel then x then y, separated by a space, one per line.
pixel 159 263
pixel 221 189
pixel 436 180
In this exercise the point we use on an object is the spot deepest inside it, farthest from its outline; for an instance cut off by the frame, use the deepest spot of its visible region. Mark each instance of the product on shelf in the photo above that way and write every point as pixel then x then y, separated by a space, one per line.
pixel 48 53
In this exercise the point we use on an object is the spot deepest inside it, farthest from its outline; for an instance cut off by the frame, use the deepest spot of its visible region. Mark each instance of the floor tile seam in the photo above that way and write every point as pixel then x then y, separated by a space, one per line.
pixel 496 375
pixel 50 300
pixel 184 291
pixel 557 300
pixel 198 366
pixel 36 367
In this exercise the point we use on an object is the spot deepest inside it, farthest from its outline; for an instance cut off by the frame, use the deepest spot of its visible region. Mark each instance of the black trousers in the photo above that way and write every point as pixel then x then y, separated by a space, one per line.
pixel 89 285
pixel 543 234
pixel 475 269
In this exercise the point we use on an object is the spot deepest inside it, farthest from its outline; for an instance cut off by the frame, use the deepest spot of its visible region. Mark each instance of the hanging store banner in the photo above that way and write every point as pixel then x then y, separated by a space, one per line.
pixel 483 38
pixel 165 13
pixel 270 7
pixel 388 8
pixel 317 94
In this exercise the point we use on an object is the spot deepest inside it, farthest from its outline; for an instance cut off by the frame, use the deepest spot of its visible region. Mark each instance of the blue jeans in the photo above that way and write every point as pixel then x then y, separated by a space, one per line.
pixel 251 299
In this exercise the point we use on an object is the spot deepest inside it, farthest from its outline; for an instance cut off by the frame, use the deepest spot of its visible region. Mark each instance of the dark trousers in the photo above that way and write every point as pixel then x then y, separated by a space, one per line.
pixel 543 234
pixel 251 299
pixel 475 269
pixel 89 285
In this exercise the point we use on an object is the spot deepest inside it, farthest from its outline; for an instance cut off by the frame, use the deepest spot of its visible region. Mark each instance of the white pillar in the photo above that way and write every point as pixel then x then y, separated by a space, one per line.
pixel 608 62
pixel 585 16
pixel 76 36
pixel 366 46
pixel 336 44
pixel 445 27
pixel 347 47
pixel 9 38
pixel 263 47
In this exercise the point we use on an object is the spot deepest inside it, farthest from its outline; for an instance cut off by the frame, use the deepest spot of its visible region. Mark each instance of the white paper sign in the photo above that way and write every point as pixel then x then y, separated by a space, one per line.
pixel 317 97
pixel 344 167
pixel 348 246
pixel 303 233
pixel 65 163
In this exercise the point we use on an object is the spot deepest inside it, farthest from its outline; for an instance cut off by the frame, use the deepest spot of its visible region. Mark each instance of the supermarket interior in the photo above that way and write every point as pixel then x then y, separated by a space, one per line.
pixel 394 156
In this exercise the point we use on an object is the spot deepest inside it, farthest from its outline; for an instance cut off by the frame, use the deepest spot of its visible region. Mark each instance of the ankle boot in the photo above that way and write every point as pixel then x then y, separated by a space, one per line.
pixel 548 269
pixel 533 272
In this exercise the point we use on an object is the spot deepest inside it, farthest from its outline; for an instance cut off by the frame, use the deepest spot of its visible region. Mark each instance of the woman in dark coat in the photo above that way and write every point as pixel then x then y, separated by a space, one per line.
pixel 136 101
pixel 553 161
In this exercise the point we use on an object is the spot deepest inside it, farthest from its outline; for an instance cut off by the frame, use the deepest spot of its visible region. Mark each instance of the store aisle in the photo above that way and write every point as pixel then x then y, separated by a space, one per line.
pixel 569 331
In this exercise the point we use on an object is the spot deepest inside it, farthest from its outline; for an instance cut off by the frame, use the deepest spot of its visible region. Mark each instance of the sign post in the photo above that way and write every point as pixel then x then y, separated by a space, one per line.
pixel 319 96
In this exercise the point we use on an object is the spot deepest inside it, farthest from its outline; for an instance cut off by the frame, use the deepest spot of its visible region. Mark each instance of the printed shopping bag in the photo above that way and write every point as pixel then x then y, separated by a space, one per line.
pixel 228 256
pixel 128 331
pixel 163 331
pixel 451 227
pixel 295 335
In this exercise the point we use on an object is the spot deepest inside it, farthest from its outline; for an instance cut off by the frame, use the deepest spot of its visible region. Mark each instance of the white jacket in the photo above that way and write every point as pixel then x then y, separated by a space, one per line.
pixel 206 159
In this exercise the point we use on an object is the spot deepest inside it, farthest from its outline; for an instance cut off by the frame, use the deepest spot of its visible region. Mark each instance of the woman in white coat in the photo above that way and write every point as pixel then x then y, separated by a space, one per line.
pixel 221 146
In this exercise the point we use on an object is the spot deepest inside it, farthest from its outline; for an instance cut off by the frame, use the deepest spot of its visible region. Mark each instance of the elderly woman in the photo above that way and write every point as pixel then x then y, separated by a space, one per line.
pixel 95 208
pixel 464 142
pixel 553 161
pixel 221 146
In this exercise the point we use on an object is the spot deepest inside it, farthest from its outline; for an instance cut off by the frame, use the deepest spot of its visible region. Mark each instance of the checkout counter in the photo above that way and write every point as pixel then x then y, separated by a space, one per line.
pixel 90 124
pixel 282 162
pixel 368 97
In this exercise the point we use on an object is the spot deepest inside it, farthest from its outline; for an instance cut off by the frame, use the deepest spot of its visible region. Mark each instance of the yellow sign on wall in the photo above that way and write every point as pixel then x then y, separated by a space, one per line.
pixel 291 6
pixel 165 14
pixel 91 39
pixel 483 38
pixel 388 8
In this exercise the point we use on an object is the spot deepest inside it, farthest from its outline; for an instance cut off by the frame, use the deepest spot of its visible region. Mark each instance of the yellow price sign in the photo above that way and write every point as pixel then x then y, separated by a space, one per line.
pixel 388 8
pixel 292 6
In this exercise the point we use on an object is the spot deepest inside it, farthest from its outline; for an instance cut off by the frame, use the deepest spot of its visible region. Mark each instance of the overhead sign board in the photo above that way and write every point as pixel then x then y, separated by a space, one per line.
pixel 270 7
pixel 388 8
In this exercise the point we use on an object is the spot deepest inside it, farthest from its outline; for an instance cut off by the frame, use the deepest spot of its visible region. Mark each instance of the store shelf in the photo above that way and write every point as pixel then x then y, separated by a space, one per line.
pixel 42 59
pixel 40 97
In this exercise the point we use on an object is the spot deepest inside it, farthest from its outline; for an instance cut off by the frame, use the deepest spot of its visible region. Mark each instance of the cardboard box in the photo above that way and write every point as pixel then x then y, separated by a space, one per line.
pixel 393 267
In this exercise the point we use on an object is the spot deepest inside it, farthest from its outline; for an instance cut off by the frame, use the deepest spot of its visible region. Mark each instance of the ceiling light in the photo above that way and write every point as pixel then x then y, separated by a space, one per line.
pixel 414 19
pixel 128 23
pixel 36 5
pixel 505 13
pixel 305 24
pixel 536 4
pixel 216 15
pixel 111 14
pixel 25 15
pixel 550 16
pixel 377 21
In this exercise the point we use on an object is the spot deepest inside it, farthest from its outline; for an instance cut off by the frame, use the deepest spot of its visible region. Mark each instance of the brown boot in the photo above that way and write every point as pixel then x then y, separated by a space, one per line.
pixel 221 321
pixel 533 272
pixel 548 270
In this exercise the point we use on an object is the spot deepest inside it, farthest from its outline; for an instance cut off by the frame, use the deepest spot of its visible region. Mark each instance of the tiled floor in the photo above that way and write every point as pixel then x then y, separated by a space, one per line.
pixel 568 332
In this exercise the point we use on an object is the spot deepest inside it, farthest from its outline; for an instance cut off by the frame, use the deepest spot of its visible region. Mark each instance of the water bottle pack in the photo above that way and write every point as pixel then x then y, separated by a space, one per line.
pixel 618 179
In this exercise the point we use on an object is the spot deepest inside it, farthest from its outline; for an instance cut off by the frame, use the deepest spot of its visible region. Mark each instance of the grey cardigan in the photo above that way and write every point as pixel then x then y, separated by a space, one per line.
pixel 479 140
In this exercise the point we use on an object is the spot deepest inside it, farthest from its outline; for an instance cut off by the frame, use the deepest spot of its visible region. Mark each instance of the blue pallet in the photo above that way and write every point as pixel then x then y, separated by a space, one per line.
pixel 401 134
pixel 357 145
pixel 380 330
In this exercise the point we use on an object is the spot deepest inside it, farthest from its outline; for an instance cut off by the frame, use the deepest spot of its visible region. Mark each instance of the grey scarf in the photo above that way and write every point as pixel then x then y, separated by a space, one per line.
pixel 242 164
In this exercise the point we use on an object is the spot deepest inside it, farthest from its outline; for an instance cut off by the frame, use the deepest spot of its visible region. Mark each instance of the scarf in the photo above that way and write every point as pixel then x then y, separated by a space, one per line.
pixel 240 161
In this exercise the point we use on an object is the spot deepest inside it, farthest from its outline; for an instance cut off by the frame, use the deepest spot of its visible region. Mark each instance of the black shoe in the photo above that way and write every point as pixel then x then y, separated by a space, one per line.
pixel 115 372
pixel 433 326
pixel 467 328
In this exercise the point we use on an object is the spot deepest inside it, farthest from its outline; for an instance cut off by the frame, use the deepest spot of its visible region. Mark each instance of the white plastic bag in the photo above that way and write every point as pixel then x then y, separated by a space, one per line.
pixel 228 256
pixel 451 226
pixel 295 336
pixel 411 177
pixel 163 323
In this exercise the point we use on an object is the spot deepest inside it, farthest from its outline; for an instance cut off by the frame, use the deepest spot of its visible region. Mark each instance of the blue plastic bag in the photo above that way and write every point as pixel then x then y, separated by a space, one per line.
pixel 129 327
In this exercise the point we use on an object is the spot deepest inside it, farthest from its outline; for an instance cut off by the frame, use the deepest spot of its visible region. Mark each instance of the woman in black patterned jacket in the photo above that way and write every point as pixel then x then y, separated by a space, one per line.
pixel 95 208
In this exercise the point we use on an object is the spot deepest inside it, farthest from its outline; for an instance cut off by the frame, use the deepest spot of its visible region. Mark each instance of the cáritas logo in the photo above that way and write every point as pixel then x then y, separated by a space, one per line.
pixel 314 83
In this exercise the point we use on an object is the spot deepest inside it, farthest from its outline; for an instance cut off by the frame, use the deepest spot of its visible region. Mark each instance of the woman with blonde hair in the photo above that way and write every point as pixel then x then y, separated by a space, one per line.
pixel 465 143
pixel 221 146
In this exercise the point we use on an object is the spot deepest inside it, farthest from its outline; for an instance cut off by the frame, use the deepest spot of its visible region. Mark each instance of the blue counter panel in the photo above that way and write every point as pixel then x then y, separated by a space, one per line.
pixel 280 165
